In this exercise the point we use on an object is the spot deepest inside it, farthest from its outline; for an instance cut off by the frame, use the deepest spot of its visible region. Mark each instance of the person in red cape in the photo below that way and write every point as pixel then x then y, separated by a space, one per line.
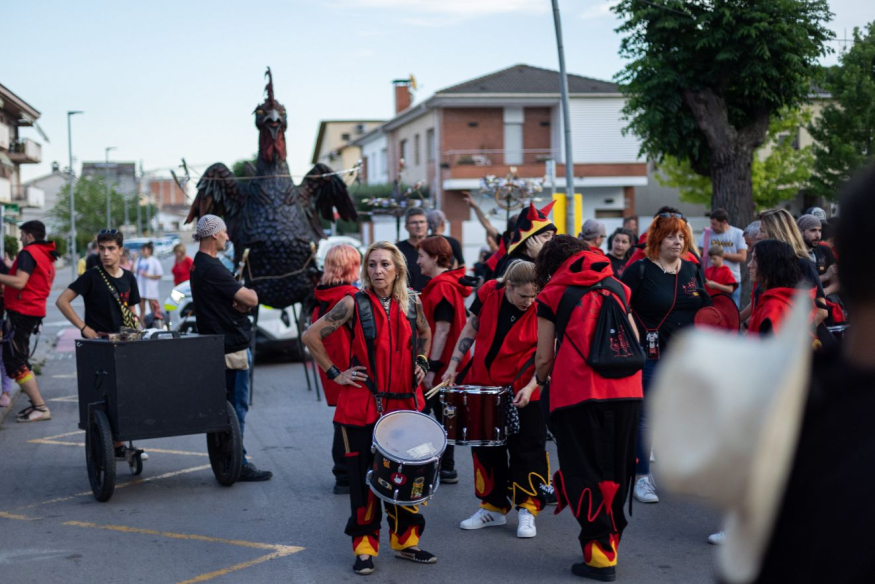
pixel 504 326
pixel 394 378
pixel 594 419
pixel 531 230
pixel 774 268
pixel 342 266
pixel 443 302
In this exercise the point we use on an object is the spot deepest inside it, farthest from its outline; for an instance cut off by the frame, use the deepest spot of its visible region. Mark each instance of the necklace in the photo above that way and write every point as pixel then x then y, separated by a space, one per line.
pixel 386 302
pixel 668 270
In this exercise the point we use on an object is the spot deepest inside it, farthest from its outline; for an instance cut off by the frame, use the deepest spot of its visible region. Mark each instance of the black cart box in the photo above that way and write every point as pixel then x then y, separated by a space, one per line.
pixel 154 388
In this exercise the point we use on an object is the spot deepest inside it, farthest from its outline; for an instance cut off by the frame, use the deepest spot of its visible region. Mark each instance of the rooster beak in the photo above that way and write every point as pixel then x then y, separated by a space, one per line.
pixel 273 115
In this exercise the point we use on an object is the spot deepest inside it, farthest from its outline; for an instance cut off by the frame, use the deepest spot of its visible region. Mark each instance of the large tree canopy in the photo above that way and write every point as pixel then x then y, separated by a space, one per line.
pixel 704 78
pixel 845 130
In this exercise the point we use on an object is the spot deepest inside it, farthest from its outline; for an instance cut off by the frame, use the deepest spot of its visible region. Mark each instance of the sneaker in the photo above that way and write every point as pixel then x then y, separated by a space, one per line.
pixel 144 456
pixel 34 413
pixel 483 518
pixel 120 452
pixel 583 570
pixel 363 567
pixel 449 477
pixel 5 402
pixel 251 474
pixel 652 458
pixel 717 538
pixel 526 527
pixel 645 490
pixel 419 556
pixel 549 494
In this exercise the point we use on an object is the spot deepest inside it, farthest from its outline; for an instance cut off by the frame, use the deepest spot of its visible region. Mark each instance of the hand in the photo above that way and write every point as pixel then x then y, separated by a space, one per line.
pixel 89 333
pixel 450 374
pixel 524 396
pixel 351 375
pixel 466 196
pixel 240 307
pixel 429 380
pixel 533 246
pixel 709 283
pixel 420 374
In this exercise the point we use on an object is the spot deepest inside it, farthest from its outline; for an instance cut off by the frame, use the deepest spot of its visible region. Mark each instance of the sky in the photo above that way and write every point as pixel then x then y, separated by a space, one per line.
pixel 166 80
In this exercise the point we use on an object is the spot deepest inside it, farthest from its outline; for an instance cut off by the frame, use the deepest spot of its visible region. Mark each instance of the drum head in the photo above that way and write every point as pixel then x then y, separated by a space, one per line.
pixel 487 389
pixel 409 436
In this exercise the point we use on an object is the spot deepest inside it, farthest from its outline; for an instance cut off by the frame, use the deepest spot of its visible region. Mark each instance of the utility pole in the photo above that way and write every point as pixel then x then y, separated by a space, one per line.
pixel 106 179
pixel 566 114
pixel 139 200
pixel 73 257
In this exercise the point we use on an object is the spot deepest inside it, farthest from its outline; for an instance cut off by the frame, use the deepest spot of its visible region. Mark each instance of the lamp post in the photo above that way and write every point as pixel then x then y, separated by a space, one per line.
pixel 106 180
pixel 566 114
pixel 73 257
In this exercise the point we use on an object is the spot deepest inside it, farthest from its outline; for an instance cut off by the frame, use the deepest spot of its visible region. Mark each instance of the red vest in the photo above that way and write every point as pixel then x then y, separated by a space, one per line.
pixel 31 300
pixel 774 305
pixel 393 352
pixel 518 347
pixel 573 381
pixel 337 344
pixel 446 286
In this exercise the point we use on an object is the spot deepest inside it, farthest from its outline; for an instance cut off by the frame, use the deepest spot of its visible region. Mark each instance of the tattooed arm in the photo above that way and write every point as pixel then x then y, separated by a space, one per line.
pixel 333 320
pixel 423 332
pixel 466 339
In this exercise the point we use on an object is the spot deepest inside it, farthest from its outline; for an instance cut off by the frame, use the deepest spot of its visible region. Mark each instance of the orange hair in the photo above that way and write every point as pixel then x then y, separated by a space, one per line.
pixel 662 227
pixel 438 247
pixel 342 265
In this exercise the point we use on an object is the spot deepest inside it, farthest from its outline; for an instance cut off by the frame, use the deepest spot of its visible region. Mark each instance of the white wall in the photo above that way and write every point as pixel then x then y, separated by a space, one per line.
pixel 373 153
pixel 596 132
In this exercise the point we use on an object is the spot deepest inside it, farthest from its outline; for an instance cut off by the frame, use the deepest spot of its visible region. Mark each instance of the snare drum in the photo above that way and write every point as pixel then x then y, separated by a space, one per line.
pixel 475 415
pixel 407 450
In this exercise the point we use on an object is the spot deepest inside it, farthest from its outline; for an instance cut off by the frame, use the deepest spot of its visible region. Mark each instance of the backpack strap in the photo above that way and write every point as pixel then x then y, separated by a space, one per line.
pixel 573 294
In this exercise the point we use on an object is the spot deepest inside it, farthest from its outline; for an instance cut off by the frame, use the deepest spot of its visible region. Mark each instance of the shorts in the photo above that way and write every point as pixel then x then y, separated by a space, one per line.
pixel 17 350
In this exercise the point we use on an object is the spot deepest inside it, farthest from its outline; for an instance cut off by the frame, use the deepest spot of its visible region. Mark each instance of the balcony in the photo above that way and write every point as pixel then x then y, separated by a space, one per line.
pixel 25 152
pixel 468 164
pixel 5 190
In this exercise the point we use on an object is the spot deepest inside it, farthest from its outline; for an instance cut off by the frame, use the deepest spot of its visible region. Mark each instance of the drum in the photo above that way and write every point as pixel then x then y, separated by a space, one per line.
pixel 476 415
pixel 407 457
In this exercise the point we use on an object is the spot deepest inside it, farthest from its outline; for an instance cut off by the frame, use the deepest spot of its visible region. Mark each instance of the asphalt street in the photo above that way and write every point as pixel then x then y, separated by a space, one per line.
pixel 176 524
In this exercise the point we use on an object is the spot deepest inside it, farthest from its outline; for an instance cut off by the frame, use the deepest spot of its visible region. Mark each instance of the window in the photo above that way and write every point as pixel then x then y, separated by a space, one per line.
pixel 384 162
pixel 402 151
pixel 344 137
pixel 429 145
pixel 416 157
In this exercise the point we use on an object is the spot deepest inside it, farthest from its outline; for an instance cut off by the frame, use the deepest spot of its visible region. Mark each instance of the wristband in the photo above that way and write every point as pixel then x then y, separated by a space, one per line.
pixel 539 382
pixel 434 365
pixel 422 362
pixel 332 373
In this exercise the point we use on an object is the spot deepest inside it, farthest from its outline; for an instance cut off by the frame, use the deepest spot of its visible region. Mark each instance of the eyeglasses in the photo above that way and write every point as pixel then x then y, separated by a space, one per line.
pixel 670 215
pixel 107 232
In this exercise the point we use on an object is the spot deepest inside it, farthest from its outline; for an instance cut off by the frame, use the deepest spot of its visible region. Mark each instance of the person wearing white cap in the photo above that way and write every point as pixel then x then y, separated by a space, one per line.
pixel 593 233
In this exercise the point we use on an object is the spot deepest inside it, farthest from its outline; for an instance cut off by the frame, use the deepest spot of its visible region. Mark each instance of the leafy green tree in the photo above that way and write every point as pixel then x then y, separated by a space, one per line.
pixel 241 168
pixel 845 131
pixel 704 79
pixel 779 170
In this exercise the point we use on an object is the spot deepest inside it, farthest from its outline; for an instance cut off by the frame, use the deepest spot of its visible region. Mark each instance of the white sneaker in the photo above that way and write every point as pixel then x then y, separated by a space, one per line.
pixel 717 538
pixel 144 456
pixel 652 458
pixel 483 518
pixel 526 527
pixel 645 490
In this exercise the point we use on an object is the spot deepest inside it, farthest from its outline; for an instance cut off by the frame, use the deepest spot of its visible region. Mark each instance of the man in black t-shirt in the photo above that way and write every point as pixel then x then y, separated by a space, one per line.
pixel 417 226
pixel 221 307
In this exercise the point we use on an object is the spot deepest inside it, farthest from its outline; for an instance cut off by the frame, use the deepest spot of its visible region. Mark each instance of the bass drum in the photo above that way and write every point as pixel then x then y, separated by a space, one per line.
pixel 407 448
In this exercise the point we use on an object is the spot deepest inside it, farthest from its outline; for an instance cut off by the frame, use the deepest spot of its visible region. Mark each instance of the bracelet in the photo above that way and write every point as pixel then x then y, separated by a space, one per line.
pixel 434 365
pixel 332 373
pixel 422 362
pixel 539 382
pixel 82 330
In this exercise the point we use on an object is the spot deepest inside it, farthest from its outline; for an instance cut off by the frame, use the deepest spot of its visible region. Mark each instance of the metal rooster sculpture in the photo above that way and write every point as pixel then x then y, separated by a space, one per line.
pixel 270 216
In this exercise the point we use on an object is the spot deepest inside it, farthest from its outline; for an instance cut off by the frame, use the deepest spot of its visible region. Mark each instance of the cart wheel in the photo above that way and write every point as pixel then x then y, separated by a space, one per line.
pixel 136 464
pixel 100 456
pixel 226 451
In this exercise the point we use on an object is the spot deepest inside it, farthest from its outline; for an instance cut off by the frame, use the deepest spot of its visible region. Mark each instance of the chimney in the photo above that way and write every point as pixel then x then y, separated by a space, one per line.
pixel 402 95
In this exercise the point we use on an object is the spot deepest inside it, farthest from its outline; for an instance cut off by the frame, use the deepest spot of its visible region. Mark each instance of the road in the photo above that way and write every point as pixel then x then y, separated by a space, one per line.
pixel 174 524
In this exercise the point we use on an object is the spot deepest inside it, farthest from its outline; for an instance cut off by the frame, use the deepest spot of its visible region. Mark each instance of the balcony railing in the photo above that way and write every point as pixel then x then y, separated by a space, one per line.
pixel 25 151
pixel 479 163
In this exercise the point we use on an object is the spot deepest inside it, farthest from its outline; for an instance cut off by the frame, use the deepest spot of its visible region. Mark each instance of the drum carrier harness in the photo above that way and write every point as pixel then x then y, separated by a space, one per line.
pixel 369 330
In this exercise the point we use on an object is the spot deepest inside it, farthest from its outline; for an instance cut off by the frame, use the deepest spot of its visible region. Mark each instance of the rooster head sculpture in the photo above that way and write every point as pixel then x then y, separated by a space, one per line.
pixel 271 121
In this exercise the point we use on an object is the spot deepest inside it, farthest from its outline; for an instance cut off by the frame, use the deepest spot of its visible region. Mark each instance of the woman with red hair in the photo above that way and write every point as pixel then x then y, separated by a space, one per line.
pixel 342 266
pixel 667 291
pixel 443 302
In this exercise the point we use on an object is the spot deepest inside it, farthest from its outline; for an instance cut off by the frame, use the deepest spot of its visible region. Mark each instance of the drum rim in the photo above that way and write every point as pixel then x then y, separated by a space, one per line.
pixel 484 389
pixel 410 461
pixel 477 442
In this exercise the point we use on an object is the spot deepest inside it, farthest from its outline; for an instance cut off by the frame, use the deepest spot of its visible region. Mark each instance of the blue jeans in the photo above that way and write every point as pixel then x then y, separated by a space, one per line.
pixel 237 387
pixel 642 447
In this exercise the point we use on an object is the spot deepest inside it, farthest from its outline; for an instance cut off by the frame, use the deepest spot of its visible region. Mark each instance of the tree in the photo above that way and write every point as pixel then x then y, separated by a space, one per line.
pixel 845 131
pixel 705 77
pixel 779 171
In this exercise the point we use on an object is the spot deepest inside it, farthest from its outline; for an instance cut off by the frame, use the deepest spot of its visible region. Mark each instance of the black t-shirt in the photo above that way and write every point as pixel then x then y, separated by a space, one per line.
pixel 415 279
pixel 213 289
pixel 654 293
pixel 826 491
pixel 457 249
pixel 92 260
pixel 26 263
pixel 508 315
pixel 823 258
pixel 618 265
pixel 444 312
pixel 102 311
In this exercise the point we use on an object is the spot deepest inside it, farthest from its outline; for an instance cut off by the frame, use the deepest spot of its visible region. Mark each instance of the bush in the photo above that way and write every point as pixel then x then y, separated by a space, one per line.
pixel 10 245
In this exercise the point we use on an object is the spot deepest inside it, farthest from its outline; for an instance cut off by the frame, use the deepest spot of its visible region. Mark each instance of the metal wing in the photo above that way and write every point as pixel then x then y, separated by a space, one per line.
pixel 218 193
pixel 328 191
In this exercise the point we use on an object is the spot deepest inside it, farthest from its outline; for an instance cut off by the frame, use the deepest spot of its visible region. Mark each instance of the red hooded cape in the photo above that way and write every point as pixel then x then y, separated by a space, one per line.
pixel 572 380
pixel 519 345
pixel 446 286
pixel 336 344
pixel 775 305
pixel 394 367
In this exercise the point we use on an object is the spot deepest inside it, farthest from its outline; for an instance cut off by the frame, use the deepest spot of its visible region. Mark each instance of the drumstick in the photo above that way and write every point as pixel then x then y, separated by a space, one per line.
pixel 433 391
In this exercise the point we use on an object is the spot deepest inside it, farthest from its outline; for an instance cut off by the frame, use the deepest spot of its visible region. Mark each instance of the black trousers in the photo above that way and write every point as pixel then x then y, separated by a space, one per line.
pixel 338 455
pixel 596 446
pixel 434 406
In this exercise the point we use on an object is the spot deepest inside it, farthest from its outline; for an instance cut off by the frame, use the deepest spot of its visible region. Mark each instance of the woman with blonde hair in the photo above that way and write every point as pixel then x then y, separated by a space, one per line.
pixel 392 378
pixel 503 327
pixel 342 266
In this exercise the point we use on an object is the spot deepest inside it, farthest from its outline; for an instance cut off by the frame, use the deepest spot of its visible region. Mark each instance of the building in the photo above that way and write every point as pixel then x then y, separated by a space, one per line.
pixel 51 185
pixel 334 146
pixel 172 203
pixel 15 150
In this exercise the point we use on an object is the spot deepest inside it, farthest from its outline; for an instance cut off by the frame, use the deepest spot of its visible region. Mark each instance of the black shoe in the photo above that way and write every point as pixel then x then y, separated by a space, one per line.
pixel 363 567
pixel 250 473
pixel 449 477
pixel 549 494
pixel 600 574
pixel 340 489
pixel 120 452
pixel 418 556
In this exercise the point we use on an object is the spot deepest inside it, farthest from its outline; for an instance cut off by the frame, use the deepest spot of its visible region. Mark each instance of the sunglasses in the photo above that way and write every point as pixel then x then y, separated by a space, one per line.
pixel 670 215
pixel 107 232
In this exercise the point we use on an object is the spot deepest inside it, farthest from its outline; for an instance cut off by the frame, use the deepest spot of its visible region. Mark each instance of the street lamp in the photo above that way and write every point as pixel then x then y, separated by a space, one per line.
pixel 106 179
pixel 73 257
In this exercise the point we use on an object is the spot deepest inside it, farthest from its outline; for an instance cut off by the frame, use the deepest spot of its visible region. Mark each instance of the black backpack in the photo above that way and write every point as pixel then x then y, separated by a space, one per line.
pixel 614 351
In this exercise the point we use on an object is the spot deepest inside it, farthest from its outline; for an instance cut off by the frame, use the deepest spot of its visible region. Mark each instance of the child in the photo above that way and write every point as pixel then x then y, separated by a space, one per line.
pixel 718 278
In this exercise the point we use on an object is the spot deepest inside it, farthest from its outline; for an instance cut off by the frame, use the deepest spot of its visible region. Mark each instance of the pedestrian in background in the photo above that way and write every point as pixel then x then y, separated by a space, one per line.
pixel 731 239
pixel 619 244
pixel 416 224
pixel 148 271
pixel 181 265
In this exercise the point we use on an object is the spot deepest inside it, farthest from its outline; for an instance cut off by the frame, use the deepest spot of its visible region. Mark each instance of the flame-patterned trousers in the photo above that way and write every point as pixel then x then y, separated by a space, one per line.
pixel 596 446
pixel 511 475
pixel 406 523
